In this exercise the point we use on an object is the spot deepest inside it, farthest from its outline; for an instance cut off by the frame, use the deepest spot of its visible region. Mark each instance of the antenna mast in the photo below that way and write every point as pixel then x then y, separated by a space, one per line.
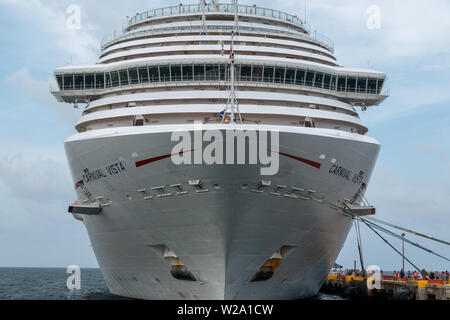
pixel 203 4
pixel 232 106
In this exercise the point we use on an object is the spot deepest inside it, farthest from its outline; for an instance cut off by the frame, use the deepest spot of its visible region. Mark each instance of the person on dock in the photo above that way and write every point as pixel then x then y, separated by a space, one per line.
pixel 402 274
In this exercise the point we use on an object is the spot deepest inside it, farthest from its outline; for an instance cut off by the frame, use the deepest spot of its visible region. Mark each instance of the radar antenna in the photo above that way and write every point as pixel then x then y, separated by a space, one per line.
pixel 232 106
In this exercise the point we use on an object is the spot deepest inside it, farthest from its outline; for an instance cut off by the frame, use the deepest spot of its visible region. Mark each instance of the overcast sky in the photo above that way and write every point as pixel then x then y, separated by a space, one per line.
pixel 411 182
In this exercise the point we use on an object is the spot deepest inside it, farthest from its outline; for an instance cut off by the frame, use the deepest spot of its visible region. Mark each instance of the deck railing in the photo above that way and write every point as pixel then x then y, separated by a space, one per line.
pixel 197 8
pixel 218 7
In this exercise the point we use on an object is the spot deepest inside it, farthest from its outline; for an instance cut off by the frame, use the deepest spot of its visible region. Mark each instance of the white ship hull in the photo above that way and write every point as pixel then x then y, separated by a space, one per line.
pixel 223 236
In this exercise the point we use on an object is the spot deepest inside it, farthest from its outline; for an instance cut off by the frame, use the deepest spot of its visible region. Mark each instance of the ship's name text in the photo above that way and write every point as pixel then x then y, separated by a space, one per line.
pixel 109 170
pixel 347 174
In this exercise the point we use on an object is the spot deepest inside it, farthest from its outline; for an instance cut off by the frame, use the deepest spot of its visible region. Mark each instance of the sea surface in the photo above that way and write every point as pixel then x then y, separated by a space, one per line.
pixel 50 284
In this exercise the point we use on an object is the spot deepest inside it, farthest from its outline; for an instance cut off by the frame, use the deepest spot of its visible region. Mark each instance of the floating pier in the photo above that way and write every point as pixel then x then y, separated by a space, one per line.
pixel 356 288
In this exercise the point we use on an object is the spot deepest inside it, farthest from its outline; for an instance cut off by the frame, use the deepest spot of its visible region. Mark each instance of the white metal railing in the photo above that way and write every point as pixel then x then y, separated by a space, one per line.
pixel 218 7
pixel 315 37
pixel 189 9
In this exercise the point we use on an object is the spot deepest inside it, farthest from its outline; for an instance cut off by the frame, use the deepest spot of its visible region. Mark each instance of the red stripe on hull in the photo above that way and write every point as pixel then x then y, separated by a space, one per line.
pixel 147 161
pixel 310 162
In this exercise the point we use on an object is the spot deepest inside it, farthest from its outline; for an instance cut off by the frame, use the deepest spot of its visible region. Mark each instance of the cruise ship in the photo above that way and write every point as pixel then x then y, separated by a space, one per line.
pixel 165 230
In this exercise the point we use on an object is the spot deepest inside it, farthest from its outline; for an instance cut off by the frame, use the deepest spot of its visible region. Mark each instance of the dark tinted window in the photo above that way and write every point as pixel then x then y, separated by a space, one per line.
pixel 143 74
pixel 133 75
pixel 212 72
pixel 380 85
pixel 199 72
pixel 123 77
pixel 257 74
pixel 222 71
pixel 290 76
pixel 153 74
pixel 351 84
pixel 59 79
pixel 114 78
pixel 362 85
pixel 341 83
pixel 372 86
pixel 79 81
pixel 300 77
pixel 175 71
pixel 333 82
pixel 268 74
pixel 99 80
pixel 318 82
pixel 326 81
pixel 187 72
pixel 68 82
pixel 246 73
pixel 164 73
pixel 89 81
pixel 309 78
pixel 107 80
pixel 279 74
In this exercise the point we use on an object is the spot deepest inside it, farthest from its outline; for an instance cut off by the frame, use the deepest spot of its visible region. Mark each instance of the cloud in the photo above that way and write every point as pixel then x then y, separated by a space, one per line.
pixel 50 18
pixel 39 91
pixel 35 179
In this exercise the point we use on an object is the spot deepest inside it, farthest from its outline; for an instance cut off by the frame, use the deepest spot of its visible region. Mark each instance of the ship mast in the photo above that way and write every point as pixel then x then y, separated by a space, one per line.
pixel 232 106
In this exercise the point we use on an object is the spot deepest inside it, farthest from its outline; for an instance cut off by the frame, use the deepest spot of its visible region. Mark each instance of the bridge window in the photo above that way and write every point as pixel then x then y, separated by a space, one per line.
pixel 300 77
pixel 89 81
pixel 290 76
pixel 68 82
pixel 114 78
pixel 133 73
pixel 123 77
pixel 279 74
pixel 351 84
pixel 326 81
pixel 380 85
pixel 199 72
pixel 59 79
pixel 175 72
pixel 215 72
pixel 107 80
pixel 342 83
pixel 372 86
pixel 333 82
pixel 309 78
pixel 153 74
pixel 212 72
pixel 257 74
pixel 187 73
pixel 99 80
pixel 318 82
pixel 246 72
pixel 164 73
pixel 268 74
pixel 79 82
pixel 143 74
pixel 362 84
pixel 222 71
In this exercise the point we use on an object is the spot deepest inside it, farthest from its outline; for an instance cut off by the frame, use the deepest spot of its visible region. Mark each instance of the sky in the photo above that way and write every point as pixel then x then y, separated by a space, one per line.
pixel 410 185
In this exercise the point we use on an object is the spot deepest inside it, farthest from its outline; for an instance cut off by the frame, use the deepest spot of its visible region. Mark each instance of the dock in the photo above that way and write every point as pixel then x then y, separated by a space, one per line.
pixel 354 287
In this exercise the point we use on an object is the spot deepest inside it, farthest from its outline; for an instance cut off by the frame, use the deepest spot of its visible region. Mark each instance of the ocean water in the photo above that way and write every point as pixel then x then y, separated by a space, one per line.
pixel 50 284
